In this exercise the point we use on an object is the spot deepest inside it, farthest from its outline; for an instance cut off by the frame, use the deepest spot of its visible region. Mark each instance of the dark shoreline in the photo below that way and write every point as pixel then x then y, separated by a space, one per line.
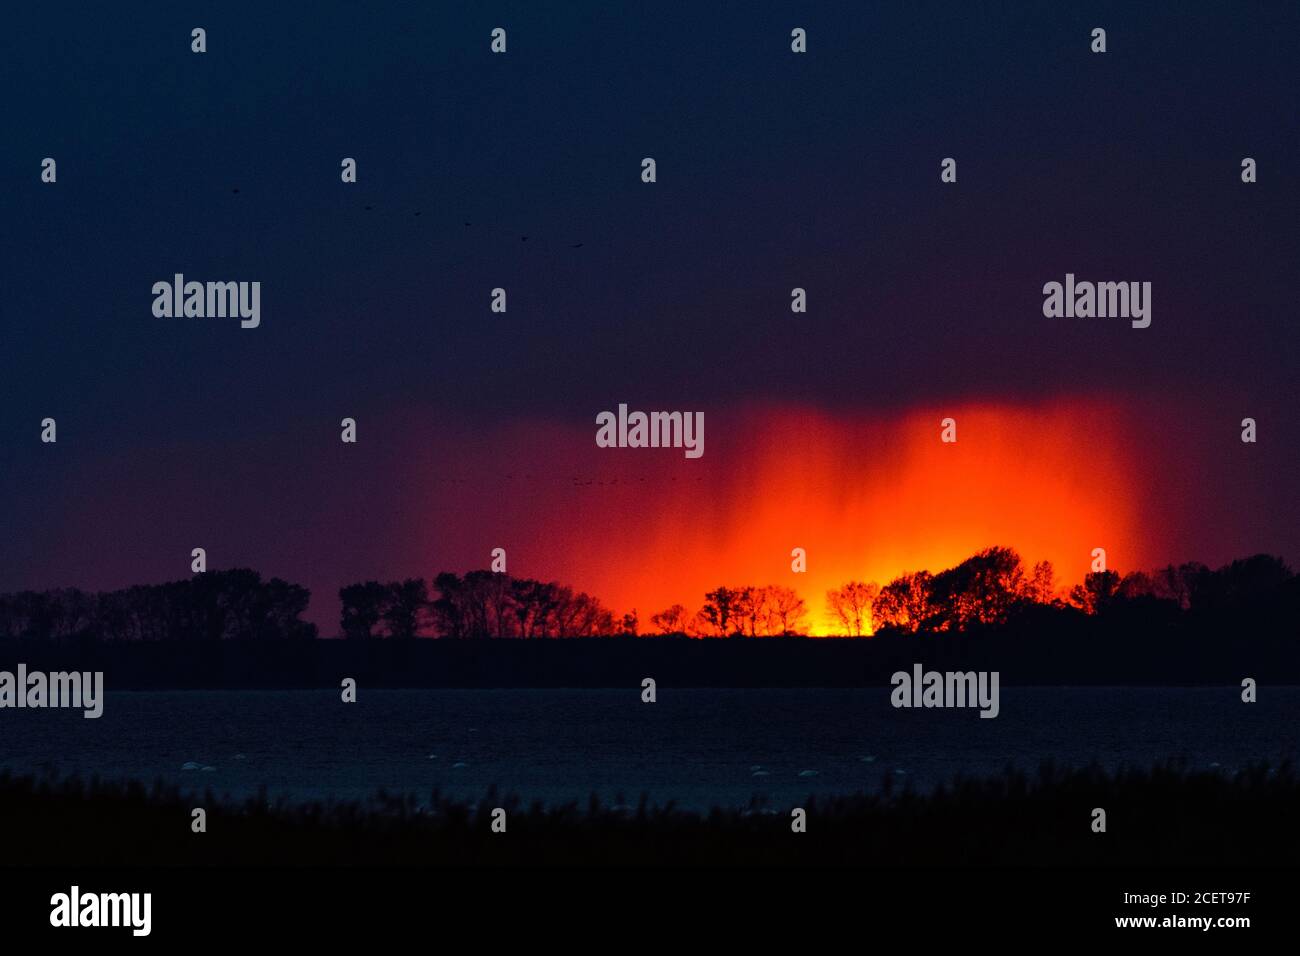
pixel 1085 657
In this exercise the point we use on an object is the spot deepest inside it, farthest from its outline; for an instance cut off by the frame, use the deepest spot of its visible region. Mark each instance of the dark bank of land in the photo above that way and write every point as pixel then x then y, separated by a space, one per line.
pixel 1184 624
pixel 1162 817
pixel 232 629
pixel 1062 650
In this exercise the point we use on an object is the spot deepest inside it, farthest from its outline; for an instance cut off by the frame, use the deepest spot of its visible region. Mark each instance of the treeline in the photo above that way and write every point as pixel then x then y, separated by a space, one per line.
pixel 989 589
pixel 993 586
pixel 480 604
pixel 213 606
pixel 771 610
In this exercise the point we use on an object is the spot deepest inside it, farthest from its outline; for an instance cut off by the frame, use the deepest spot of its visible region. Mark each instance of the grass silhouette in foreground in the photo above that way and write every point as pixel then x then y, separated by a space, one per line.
pixel 1165 816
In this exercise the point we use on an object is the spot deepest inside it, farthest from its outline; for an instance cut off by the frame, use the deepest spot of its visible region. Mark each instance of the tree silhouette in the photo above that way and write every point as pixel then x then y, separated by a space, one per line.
pixel 1041 586
pixel 750 610
pixel 671 620
pixel 215 605
pixel 906 603
pixel 535 605
pixel 786 610
pixel 489 604
pixel 363 608
pixel 1097 592
pixel 983 589
pixel 407 603
pixel 852 604
pixel 719 610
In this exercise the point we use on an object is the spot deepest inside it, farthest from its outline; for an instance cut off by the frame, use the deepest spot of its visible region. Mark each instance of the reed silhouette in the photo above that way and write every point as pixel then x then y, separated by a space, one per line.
pixel 1164 815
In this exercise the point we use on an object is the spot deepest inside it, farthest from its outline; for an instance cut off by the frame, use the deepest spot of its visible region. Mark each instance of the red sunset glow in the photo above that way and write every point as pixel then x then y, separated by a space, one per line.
pixel 866 497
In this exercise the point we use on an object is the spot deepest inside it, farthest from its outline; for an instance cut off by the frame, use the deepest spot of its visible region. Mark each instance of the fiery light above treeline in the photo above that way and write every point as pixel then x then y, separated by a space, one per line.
pixel 866 497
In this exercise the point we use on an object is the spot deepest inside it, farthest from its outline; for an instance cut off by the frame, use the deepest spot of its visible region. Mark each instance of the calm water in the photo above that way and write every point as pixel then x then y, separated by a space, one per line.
pixel 698 747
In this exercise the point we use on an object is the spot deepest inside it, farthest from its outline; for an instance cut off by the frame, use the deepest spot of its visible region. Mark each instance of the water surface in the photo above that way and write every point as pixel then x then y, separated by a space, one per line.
pixel 697 747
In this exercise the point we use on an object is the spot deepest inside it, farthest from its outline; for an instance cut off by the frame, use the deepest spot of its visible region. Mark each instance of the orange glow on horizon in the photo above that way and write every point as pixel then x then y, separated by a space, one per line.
pixel 867 498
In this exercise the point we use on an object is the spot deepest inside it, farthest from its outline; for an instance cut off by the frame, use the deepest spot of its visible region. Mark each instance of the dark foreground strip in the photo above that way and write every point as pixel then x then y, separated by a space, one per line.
pixel 659 907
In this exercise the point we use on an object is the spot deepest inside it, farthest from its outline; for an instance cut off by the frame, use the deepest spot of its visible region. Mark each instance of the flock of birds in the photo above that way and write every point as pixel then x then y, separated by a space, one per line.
pixel 576 245
pixel 577 481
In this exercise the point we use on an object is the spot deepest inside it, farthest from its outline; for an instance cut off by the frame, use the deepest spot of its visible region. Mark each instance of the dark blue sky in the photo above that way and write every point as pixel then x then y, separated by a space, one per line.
pixel 775 170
